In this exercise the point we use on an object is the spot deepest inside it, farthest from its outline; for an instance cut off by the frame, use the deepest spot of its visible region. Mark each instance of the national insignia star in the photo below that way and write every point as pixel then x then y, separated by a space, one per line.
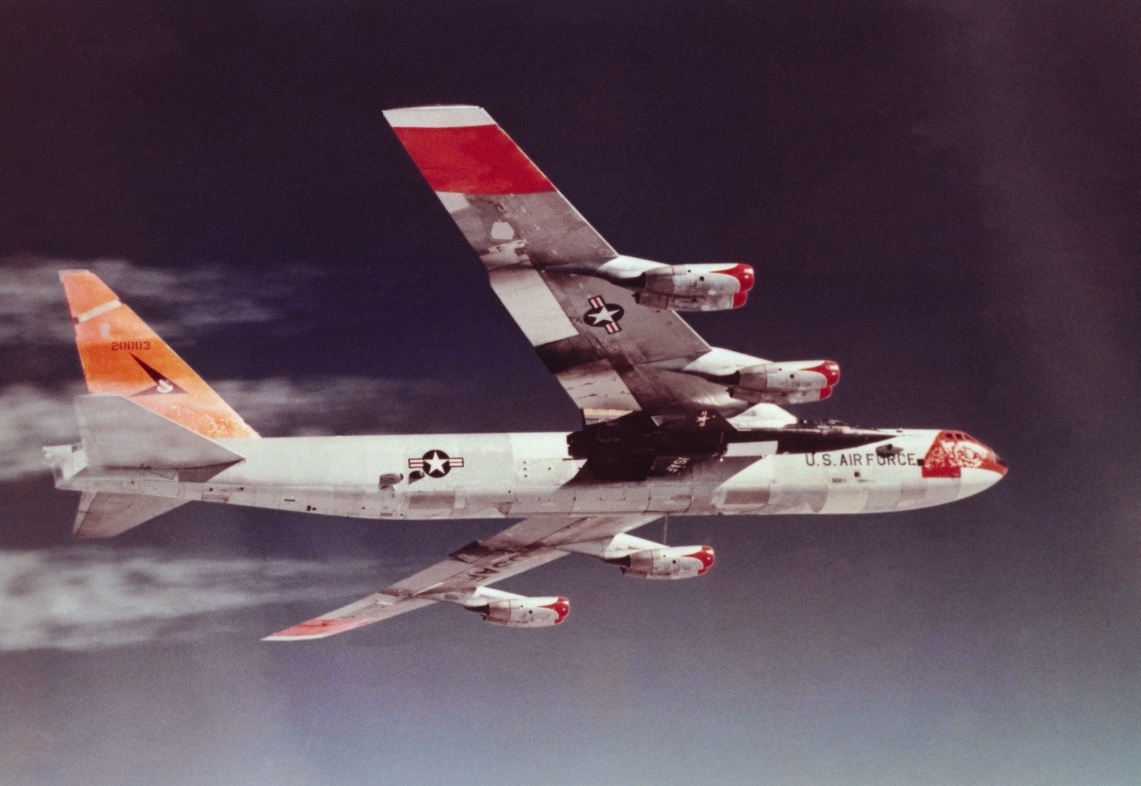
pixel 604 314
pixel 436 464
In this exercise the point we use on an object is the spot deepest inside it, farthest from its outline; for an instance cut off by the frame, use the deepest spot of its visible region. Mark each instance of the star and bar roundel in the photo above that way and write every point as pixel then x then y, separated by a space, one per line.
pixel 435 463
pixel 604 315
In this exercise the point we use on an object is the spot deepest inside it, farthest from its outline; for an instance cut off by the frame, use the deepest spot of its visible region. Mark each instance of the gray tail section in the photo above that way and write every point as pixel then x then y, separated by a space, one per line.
pixel 117 433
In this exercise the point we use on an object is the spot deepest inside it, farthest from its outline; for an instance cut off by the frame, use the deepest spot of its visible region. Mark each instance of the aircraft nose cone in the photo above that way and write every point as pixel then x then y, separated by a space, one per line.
pixel 956 454
pixel 984 458
pixel 981 468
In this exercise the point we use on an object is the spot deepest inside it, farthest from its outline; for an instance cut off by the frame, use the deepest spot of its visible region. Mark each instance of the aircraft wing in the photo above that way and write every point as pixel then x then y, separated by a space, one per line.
pixel 461 577
pixel 611 354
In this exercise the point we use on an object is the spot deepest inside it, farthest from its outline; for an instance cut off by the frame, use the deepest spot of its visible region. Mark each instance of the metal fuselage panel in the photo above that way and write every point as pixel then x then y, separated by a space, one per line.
pixel 528 474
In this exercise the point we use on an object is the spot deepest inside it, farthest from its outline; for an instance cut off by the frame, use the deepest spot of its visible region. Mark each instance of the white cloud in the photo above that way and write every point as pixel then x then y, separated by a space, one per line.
pixel 31 416
pixel 176 303
pixel 85 597
pixel 284 406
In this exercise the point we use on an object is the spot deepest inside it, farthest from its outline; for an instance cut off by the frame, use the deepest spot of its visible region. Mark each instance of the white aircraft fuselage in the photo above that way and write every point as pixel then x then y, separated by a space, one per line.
pixel 525 474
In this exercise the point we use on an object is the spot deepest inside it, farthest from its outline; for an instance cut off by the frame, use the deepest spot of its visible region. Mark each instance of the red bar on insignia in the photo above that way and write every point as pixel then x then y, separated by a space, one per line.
pixel 472 160
pixel 456 462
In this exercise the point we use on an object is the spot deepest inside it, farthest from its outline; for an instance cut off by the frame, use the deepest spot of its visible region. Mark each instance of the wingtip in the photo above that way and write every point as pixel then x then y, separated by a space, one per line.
pixel 318 628
pixel 444 116
pixel 276 637
pixel 285 635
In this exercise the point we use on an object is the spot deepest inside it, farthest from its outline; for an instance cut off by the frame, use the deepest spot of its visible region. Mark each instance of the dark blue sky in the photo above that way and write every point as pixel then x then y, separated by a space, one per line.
pixel 940 195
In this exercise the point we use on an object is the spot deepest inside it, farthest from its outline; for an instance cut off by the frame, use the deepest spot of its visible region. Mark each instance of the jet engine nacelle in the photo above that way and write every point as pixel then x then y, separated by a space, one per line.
pixel 696 287
pixel 705 287
pixel 525 612
pixel 796 382
pixel 678 562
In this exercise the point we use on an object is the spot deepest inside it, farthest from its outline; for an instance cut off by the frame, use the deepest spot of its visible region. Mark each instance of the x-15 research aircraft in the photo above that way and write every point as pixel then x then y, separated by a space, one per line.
pixel 670 424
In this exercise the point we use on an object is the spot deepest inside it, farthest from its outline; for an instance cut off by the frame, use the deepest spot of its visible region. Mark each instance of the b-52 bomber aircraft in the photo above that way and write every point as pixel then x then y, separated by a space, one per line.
pixel 670 425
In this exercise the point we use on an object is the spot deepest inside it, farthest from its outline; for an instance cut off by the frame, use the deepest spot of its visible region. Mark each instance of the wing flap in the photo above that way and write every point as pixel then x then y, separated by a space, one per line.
pixel 532 305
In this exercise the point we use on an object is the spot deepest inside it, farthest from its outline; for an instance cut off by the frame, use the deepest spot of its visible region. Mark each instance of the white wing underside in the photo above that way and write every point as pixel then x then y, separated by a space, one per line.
pixel 457 579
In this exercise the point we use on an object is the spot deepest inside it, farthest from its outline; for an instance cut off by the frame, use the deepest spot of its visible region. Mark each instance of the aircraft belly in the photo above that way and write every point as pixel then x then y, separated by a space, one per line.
pixel 747 491
pixel 614 497
pixel 431 503
pixel 938 491
pixel 845 495
pixel 796 487
pixel 884 490
pixel 542 477
pixel 533 501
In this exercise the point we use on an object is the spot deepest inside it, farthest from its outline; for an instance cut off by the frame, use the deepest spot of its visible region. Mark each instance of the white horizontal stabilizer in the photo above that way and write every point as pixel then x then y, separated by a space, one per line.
pixel 104 514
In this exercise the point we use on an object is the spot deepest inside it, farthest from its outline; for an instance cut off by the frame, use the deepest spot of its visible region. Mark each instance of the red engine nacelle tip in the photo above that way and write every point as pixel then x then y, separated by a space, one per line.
pixel 705 556
pixel 561 607
pixel 747 278
pixel 831 371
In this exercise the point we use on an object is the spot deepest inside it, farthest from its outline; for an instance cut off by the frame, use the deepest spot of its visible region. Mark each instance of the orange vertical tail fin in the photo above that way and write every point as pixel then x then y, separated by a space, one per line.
pixel 122 355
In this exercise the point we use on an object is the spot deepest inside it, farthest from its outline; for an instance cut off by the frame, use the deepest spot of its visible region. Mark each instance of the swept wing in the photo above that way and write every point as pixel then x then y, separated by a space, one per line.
pixel 610 353
pixel 462 577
